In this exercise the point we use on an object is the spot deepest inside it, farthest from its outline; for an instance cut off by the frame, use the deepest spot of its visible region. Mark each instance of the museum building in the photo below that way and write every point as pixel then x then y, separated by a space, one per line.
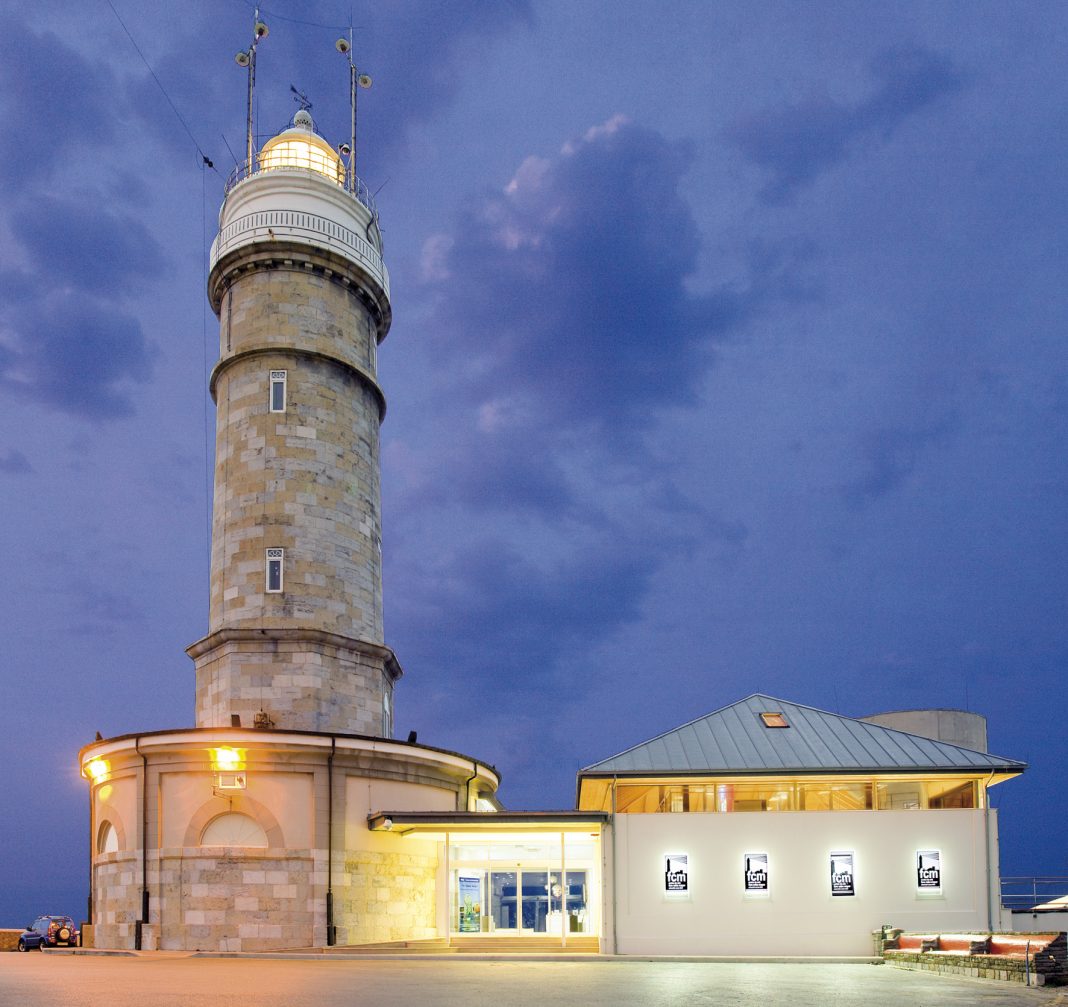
pixel 289 816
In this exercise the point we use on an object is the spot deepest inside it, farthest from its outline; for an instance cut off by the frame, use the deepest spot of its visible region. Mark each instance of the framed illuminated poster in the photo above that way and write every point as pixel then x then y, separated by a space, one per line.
pixel 756 875
pixel 843 881
pixel 929 871
pixel 469 892
pixel 676 876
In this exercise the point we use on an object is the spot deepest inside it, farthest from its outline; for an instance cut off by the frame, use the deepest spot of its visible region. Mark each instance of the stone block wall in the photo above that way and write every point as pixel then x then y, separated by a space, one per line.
pixel 116 898
pixel 307 481
pixel 240 900
pixel 303 681
pixel 385 896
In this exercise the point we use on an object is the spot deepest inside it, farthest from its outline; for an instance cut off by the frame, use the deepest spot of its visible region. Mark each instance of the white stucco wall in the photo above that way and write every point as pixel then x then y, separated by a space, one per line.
pixel 800 916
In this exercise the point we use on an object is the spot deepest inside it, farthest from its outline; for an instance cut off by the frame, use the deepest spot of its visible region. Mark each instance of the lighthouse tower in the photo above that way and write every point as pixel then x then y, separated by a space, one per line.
pixel 302 295
pixel 251 831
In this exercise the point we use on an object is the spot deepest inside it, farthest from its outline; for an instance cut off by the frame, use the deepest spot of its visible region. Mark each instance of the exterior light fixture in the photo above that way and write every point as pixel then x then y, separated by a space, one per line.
pixel 226 760
pixel 98 769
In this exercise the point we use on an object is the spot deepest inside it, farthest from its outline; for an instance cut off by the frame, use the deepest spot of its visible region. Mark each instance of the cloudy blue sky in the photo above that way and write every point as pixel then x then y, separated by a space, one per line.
pixel 728 356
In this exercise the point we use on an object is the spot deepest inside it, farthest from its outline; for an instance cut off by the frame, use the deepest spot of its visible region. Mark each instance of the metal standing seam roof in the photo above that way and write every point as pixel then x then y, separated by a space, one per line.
pixel 735 740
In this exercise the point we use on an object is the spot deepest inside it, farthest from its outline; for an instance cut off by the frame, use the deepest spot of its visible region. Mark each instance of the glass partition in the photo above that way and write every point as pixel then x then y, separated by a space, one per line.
pixel 835 796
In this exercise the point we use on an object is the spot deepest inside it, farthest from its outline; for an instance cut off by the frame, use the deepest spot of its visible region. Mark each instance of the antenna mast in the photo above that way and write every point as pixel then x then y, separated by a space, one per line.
pixel 356 80
pixel 247 58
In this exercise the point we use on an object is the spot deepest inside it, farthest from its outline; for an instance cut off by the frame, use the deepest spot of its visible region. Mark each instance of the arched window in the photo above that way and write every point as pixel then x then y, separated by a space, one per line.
pixel 107 839
pixel 233 829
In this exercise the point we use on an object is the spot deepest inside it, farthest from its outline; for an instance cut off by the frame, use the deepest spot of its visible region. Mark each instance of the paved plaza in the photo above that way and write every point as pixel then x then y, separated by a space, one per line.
pixel 171 981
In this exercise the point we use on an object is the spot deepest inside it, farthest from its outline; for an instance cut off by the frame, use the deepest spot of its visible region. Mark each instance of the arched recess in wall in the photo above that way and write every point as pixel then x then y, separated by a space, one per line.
pixel 234 829
pixel 110 835
pixel 218 807
pixel 107 838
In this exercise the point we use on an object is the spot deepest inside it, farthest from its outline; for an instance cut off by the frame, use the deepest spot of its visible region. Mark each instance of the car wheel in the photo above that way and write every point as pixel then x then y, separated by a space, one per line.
pixel 22 944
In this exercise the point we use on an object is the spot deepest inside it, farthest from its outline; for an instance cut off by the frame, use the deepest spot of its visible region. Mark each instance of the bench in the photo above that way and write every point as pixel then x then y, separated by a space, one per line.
pixel 1038 958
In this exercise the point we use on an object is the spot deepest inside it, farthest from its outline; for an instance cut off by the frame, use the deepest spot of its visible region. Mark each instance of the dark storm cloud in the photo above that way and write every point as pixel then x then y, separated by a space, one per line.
pixel 889 458
pixel 85 246
pixel 569 288
pixel 77 356
pixel 509 612
pixel 54 101
pixel 425 47
pixel 795 145
pixel 14 462
pixel 71 346
pixel 564 321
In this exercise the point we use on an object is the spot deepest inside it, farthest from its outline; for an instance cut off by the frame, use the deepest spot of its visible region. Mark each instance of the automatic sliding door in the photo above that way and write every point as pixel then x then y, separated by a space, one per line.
pixel 535 901
pixel 504 908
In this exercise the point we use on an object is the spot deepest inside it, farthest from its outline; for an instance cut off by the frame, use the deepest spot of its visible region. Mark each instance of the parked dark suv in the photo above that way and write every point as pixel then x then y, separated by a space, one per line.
pixel 50 932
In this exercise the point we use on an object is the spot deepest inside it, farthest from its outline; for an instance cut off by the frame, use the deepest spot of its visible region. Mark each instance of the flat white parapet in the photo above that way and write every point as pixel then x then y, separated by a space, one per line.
pixel 299 205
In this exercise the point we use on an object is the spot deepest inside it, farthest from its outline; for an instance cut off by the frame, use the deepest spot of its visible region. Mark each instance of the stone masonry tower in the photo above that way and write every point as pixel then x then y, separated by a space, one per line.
pixel 295 638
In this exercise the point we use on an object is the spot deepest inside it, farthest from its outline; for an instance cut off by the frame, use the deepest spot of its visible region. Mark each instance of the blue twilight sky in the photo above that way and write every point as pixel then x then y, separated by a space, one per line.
pixel 728 356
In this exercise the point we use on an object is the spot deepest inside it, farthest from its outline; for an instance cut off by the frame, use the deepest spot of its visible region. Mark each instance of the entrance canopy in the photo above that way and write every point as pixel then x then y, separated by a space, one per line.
pixel 435 824
pixel 514 875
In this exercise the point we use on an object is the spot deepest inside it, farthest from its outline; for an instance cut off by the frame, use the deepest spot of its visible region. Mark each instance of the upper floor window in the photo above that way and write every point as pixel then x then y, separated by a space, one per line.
pixel 275 572
pixel 372 346
pixel 278 391
pixel 846 794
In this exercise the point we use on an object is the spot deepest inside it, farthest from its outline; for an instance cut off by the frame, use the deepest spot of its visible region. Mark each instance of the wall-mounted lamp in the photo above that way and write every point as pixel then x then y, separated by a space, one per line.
pixel 227 760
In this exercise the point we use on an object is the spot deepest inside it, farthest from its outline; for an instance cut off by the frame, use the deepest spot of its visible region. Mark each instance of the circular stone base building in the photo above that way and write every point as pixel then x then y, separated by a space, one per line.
pixel 251 839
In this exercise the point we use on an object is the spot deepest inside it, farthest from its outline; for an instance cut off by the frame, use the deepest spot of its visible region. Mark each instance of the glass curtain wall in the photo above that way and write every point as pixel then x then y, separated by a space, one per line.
pixel 796 795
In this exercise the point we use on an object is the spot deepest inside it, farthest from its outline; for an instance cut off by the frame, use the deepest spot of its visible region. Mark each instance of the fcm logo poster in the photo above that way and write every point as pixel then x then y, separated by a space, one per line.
pixel 756 873
pixel 842 881
pixel 677 876
pixel 929 870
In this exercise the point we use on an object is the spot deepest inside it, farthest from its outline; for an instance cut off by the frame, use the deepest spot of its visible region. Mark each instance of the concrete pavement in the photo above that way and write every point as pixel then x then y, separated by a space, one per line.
pixel 165 980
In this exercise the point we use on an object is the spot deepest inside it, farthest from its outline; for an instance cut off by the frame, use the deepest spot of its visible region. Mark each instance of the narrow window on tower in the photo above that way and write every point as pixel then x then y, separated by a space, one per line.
pixel 387 713
pixel 372 346
pixel 275 564
pixel 278 391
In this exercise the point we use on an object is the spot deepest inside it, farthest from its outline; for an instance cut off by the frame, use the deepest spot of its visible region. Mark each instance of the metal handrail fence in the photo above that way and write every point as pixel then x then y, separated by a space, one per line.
pixel 1024 893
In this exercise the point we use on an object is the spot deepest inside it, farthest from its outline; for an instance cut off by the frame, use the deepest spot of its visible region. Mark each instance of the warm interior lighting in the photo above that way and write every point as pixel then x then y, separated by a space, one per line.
pixel 302 151
pixel 98 769
pixel 774 720
pixel 226 760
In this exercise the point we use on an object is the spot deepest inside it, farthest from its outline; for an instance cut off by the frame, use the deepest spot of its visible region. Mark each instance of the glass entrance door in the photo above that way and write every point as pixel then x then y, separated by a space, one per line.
pixel 504 902
pixel 528 886
pixel 522 901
